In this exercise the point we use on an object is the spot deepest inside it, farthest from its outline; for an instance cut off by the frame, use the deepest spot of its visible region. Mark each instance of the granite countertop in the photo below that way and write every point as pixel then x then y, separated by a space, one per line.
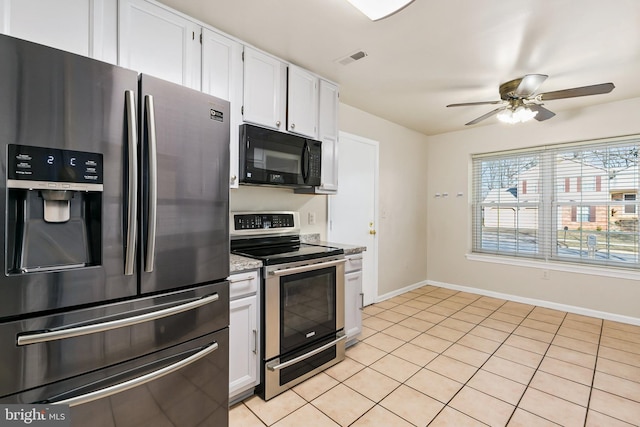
pixel 314 239
pixel 241 263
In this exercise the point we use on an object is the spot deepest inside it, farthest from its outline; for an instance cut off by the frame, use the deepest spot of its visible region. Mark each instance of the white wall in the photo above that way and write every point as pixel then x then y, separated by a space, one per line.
pixel 402 247
pixel 449 224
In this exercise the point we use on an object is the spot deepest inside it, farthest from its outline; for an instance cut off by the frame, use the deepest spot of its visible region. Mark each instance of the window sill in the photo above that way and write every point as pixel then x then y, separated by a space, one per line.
pixel 619 273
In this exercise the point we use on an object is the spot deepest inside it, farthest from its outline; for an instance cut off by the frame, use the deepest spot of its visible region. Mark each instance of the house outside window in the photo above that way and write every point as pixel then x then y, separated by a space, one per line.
pixel 574 202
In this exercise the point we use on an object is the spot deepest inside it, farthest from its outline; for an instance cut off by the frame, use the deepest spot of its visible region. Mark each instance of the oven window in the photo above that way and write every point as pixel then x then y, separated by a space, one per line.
pixel 307 308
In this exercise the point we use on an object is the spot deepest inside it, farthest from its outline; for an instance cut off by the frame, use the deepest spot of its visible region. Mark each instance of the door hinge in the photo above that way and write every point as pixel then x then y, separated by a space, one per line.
pixel 243 56
pixel 242 110
pixel 200 38
pixel 193 35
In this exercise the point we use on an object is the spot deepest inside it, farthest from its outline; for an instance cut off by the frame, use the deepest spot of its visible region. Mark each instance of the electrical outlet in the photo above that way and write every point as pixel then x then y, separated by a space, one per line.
pixel 312 218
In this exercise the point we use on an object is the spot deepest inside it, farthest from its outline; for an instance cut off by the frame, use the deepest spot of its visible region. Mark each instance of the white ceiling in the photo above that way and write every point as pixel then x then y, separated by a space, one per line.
pixel 438 52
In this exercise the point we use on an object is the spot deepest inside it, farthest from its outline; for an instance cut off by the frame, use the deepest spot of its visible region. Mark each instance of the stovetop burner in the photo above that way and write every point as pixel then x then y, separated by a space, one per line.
pixel 272 238
pixel 282 254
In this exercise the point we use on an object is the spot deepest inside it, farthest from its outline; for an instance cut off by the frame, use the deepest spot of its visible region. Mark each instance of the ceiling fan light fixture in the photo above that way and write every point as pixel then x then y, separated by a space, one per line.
pixel 379 9
pixel 520 114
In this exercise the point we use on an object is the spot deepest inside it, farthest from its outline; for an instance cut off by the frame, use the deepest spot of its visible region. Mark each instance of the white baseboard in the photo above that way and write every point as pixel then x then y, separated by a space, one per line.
pixel 401 291
pixel 532 301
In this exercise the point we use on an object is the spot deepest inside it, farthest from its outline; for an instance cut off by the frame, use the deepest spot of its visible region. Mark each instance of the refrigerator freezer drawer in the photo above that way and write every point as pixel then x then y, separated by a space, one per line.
pixel 56 347
pixel 168 387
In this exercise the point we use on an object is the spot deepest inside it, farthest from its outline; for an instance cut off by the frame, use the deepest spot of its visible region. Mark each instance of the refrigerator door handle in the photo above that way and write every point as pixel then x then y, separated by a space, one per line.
pixel 60 334
pixel 150 117
pixel 144 379
pixel 132 178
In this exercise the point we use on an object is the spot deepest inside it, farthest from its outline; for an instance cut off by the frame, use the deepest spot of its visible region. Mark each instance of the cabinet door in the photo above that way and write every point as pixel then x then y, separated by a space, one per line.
pixel 222 77
pixel 353 305
pixel 265 87
pixel 153 40
pixel 302 107
pixel 243 342
pixel 83 27
pixel 328 134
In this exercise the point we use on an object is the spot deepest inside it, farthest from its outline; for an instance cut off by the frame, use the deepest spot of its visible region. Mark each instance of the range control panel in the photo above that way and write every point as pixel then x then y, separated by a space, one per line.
pixel 53 165
pixel 263 221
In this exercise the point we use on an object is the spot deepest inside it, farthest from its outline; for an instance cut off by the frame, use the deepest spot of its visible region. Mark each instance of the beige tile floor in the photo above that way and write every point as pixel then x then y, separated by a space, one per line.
pixel 439 357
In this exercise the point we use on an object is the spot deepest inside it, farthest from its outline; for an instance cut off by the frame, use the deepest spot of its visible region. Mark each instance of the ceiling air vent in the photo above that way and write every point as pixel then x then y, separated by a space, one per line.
pixel 352 57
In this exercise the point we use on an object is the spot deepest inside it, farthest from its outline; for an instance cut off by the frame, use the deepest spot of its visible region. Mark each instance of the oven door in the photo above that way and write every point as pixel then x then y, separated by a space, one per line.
pixel 303 322
pixel 304 303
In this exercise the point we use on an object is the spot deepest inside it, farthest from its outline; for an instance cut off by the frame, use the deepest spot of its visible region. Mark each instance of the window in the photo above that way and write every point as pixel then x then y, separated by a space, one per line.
pixel 583 207
pixel 629 208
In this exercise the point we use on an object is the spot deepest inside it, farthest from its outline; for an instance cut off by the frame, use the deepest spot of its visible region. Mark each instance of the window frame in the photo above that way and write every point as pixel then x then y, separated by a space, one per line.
pixel 552 198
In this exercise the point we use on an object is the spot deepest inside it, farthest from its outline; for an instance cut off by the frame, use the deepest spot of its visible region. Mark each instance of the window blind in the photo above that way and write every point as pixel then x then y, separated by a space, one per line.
pixel 576 202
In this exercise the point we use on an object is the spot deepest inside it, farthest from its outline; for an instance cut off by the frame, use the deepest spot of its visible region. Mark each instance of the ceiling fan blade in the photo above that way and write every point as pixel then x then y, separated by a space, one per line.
pixel 465 104
pixel 486 116
pixel 577 91
pixel 543 113
pixel 529 84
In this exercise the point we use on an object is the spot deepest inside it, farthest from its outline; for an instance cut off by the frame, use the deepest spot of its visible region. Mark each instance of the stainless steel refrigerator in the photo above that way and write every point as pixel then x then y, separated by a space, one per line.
pixel 114 213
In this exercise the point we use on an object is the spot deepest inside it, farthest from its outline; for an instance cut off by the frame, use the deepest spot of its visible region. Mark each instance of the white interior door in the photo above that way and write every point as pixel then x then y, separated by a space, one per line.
pixel 353 212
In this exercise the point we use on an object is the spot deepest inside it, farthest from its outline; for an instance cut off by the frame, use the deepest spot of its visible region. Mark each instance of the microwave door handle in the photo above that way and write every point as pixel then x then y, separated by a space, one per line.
pixel 132 181
pixel 152 195
pixel 305 162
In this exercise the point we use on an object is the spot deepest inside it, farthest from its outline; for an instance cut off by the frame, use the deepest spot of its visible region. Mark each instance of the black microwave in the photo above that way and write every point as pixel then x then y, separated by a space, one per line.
pixel 269 157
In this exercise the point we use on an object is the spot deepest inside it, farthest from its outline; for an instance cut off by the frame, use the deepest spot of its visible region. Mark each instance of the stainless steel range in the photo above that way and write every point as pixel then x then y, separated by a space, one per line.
pixel 302 302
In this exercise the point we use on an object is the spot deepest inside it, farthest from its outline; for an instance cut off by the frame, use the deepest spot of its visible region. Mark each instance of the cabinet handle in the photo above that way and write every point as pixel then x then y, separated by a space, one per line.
pixel 359 258
pixel 233 179
pixel 361 300
pixel 278 123
pixel 293 125
pixel 242 279
pixel 255 342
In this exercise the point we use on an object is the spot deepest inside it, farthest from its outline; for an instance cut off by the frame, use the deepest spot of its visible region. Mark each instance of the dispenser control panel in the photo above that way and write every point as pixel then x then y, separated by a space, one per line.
pixel 53 165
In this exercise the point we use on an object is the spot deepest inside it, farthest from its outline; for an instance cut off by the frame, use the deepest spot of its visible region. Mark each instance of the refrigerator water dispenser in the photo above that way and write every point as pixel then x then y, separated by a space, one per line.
pixel 54 204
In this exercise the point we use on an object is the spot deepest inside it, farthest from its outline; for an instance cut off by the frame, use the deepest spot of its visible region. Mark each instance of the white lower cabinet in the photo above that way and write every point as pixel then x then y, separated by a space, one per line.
pixel 353 298
pixel 244 349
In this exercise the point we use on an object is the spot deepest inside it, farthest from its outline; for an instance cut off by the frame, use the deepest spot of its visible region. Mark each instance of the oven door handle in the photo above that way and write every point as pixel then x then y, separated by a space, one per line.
pixel 273 367
pixel 302 269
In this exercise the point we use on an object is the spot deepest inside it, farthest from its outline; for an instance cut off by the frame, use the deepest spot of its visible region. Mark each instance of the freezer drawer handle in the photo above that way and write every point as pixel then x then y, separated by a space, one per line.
pixel 272 367
pixel 151 376
pixel 132 178
pixel 302 269
pixel 31 338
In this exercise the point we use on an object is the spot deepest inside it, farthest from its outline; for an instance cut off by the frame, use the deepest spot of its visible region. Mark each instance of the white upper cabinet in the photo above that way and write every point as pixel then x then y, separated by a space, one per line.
pixel 302 102
pixel 154 40
pixel 328 134
pixel 265 88
pixel 222 77
pixel 84 27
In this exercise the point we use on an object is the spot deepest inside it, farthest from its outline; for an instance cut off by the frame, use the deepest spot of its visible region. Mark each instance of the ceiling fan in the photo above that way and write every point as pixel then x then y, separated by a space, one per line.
pixel 520 104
